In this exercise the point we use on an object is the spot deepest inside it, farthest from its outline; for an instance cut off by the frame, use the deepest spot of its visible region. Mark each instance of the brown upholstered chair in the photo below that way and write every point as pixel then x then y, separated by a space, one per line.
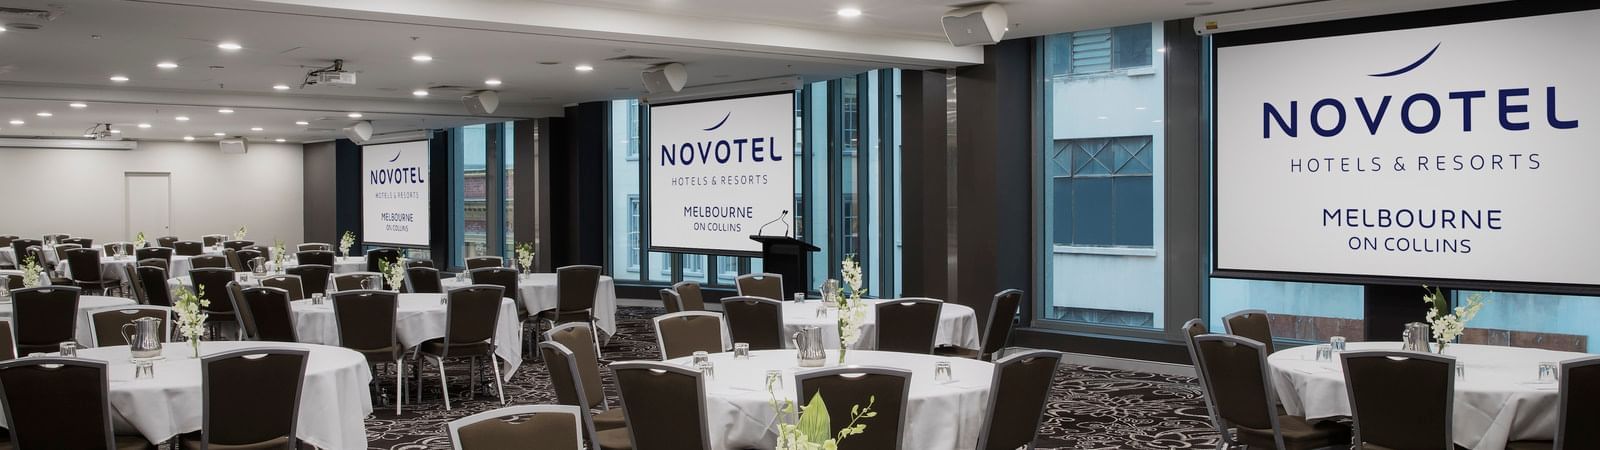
pixel 423 280
pixel 313 277
pixel 844 388
pixel 575 290
pixel 11 281
pixel 1580 392
pixel 356 281
pixel 996 331
pixel 1414 414
pixel 664 405
pixel 211 284
pixel 244 257
pixel 1017 395
pixel 85 265
pixel 187 248
pixel 375 256
pixel 289 283
pixel 690 297
pixel 1251 323
pixel 671 301
pixel 153 282
pixel 167 241
pixel 134 286
pixel 1192 329
pixel 45 317
pixel 551 426
pixel 60 254
pixel 252 399
pixel 1235 370
pixel 566 378
pixel 118 248
pixel 909 325
pixel 265 251
pixel 471 313
pixel 162 253
pixel 209 262
pixel 311 246
pixel 419 263
pixel 578 339
pixel 43 258
pixel 764 285
pixel 237 245
pixel 681 334
pixel 79 241
pixel 234 261
pixel 366 322
pixel 213 240
pixel 756 321
pixel 60 403
pixel 5 239
pixel 20 248
pixel 320 257
pixel 480 262
pixel 155 262
pixel 266 314
pixel 8 341
pixel 105 324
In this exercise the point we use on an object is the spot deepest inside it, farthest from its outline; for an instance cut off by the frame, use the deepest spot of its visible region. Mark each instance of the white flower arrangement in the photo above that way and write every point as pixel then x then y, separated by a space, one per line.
pixel 811 429
pixel 525 256
pixel 1445 323
pixel 138 240
pixel 852 311
pixel 393 273
pixel 32 274
pixel 345 242
pixel 190 307
pixel 279 254
pixel 239 234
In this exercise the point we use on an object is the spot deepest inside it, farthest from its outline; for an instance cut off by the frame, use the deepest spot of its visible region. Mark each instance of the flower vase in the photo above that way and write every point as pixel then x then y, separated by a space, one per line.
pixel 194 348
pixel 841 354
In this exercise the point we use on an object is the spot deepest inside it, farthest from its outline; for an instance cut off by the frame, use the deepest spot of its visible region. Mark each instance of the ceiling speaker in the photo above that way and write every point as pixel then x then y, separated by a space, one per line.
pixel 975 25
pixel 664 78
pixel 233 145
pixel 481 102
pixel 360 132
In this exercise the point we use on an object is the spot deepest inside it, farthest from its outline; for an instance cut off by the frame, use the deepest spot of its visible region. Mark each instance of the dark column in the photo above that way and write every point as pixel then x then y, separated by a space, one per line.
pixel 577 185
pixel 440 187
pixel 923 183
pixel 347 215
pixel 532 178
pixel 1186 191
pixel 320 173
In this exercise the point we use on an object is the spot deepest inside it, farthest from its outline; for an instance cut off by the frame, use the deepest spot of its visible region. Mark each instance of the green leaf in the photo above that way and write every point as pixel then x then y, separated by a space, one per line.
pixel 814 420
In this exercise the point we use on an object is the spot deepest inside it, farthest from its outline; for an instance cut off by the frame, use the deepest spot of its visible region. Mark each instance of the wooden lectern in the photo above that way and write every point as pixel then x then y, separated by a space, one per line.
pixel 786 256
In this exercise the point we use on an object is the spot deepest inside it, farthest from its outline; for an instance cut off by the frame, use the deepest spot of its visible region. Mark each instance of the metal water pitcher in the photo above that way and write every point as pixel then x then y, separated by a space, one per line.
pixel 808 342
pixel 145 340
pixel 1415 337
pixel 258 266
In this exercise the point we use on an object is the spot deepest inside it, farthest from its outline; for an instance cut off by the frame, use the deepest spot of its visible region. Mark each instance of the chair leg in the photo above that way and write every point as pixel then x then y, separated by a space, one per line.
pixel 399 383
pixel 472 379
pixel 444 385
pixel 416 370
pixel 499 388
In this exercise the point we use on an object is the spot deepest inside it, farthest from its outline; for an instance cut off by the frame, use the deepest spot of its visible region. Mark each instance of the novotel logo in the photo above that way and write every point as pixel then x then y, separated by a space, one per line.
pixel 1420 113
pixel 720 150
pixel 396 175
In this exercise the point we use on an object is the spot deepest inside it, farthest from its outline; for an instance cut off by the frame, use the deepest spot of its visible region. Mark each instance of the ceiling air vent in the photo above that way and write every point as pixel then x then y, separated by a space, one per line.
pixel 637 58
pixel 24 13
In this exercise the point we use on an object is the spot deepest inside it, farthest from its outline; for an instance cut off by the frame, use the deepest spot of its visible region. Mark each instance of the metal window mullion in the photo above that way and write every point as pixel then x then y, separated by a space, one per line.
pixel 835 192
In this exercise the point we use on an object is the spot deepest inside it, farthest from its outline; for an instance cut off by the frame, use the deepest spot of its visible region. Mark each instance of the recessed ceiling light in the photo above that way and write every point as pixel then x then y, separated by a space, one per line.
pixel 420 92
pixel 230 46
pixel 219 134
pixel 78 105
pixel 849 12
pixel 144 125
pixel 44 114
pixel 492 81
pixel 354 115
pixel 119 78
pixel 225 111
pixel 2 28
pixel 188 138
pixel 280 140
pixel 182 118
pixel 280 87
pixel 584 68
pixel 256 128
pixel 167 65
pixel 17 122
pixel 421 58
pixel 116 131
pixel 302 123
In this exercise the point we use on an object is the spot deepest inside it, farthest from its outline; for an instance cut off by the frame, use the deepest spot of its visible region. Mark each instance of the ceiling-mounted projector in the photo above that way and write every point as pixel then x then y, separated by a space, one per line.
pixel 663 78
pixel 975 25
pixel 333 75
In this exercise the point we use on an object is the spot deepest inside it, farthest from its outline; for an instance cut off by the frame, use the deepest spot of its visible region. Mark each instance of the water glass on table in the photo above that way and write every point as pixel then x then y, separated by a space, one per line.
pixel 1324 353
pixel 143 370
pixel 741 350
pixel 1548 372
pixel 775 380
pixel 942 372
pixel 1337 343
pixel 69 349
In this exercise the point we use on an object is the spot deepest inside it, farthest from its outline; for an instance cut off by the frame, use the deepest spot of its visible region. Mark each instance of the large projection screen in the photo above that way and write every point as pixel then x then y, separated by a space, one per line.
pixel 719 171
pixel 394 194
pixel 1461 153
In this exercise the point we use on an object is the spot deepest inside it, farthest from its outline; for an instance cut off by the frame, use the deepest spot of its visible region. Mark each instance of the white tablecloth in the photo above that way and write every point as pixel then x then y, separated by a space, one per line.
pixel 86 304
pixel 334 400
pixel 420 317
pixel 1500 399
pixel 539 294
pixel 341 265
pixel 940 416
pixel 958 324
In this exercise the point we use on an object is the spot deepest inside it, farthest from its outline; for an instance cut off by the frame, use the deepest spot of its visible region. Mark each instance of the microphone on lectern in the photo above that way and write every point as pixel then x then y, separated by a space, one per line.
pixel 780 218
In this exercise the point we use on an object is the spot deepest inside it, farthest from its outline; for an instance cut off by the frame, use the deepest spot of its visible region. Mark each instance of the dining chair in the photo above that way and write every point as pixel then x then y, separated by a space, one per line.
pixel 683 333
pixel 313 277
pixel 289 283
pixel 664 405
pixel 355 281
pixel 86 270
pixel 187 248
pixel 576 289
pixel 105 324
pixel 20 248
pixel 909 325
pixel 267 311
pixel 479 262
pixel 79 241
pixel 245 256
pixel 1194 328
pixel 1398 399
pixel 997 330
pixel 162 253
pixel 5 239
pixel 551 426
pixel 247 325
pixel 691 299
pixel 153 280
pixel 155 262
pixel 1235 370
pixel 60 403
pixel 116 248
pixel 60 253
pixel 237 244
pixel 211 285
pixel 265 251
pixel 1578 405
pixel 234 261
pixel 56 237
pixel 764 285
pixel 320 257
pixel 11 281
pixel 1251 323
pixel 567 379
pixel 45 317
pixel 419 263
pixel 381 254
pixel 213 240
pixel 366 323
pixel 209 262
pixel 134 286
pixel 8 341
pixel 1018 392
pixel 423 280
pixel 250 399
pixel 167 241
pixel 755 321
pixel 848 387
pixel 471 316
pixel 670 300
pixel 578 339
pixel 43 258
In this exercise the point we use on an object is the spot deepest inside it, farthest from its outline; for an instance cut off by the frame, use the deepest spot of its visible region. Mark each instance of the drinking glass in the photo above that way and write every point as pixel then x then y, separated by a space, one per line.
pixel 707 368
pixel 741 350
pixel 1324 353
pixel 701 357
pixel 941 372
pixel 799 297
pixel 461 277
pixel 822 310
pixel 1461 371
pixel 316 298
pixel 1337 342
pixel 144 370
pixel 1547 372
pixel 775 380
pixel 69 349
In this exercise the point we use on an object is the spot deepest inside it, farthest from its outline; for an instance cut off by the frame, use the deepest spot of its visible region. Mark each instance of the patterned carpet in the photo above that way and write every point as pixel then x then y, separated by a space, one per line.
pixel 1090 408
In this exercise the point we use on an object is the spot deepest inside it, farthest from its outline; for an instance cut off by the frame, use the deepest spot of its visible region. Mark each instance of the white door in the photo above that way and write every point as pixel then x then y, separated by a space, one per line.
pixel 149 205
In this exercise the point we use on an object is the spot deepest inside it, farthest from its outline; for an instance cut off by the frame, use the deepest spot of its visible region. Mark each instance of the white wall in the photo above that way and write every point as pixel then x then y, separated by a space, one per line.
pixel 81 192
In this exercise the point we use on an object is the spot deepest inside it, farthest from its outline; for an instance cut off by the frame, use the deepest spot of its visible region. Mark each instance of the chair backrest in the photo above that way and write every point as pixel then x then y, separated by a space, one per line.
pixel 366 319
pixel 187 248
pixel 1253 324
pixel 211 284
pixel 79 241
pixel 1002 315
pixel 756 321
pixel 130 273
pixel 164 264
pixel 671 301
pixel 681 334
pixel 213 240
pixel 166 241
pixel 420 263
pixel 578 339
pixel 1233 370
pixel 236 299
pixel 11 281
pixel 479 262
pixel 5 239
pixel 56 403
pixel 313 277
pixel 85 264
pixel 115 248
pixel 268 310
pixel 265 251
pixel 56 237
pixel 498 276
pixel 20 247
pixel 764 285
pixel 209 262
pixel 45 317
pixel 61 252
pixel 664 405
pixel 309 246
pixel 1399 399
pixel 567 381
pixel 154 281
pixel 471 314
pixel 8 341
pixel 289 283
pixel 245 256
pixel 162 253
pixel 320 257
pixel 234 261
pixel 1580 404
pixel 237 245
pixel 1017 396
pixel 105 324
pixel 576 286
pixel 423 280
pixel 552 426
pixel 356 281
pixel 909 325
pixel 844 388
pixel 1192 329
pixel 381 254
pixel 252 397
pixel 690 297
pixel 39 256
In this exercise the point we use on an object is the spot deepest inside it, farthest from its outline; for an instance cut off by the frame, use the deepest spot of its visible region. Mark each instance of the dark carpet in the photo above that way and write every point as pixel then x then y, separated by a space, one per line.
pixel 1089 408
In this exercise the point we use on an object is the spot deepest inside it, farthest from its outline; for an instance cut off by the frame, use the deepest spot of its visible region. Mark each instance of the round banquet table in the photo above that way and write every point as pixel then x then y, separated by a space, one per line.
pixel 958 324
pixel 86 304
pixel 940 415
pixel 419 317
pixel 1499 400
pixel 539 293
pixel 334 399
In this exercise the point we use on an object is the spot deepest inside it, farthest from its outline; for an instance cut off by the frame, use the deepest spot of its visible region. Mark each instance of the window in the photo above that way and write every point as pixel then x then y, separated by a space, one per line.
pixel 509 172
pixel 626 257
pixel 1101 51
pixel 1102 191
pixel 634 243
pixel 472 203
pixel 631 149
